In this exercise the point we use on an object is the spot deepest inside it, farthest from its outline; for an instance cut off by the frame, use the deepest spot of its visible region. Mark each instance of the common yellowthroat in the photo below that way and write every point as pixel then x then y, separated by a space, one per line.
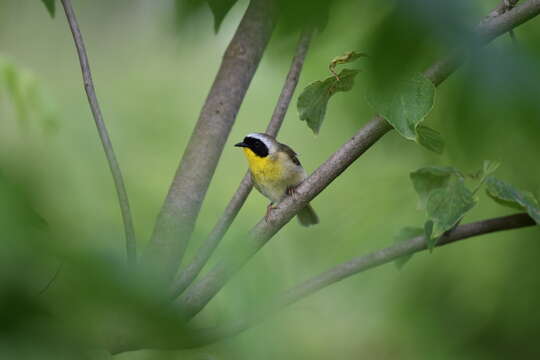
pixel 275 171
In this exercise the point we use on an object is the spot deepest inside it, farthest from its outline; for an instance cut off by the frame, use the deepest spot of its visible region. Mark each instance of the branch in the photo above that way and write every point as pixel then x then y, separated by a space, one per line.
pixel 131 243
pixel 201 292
pixel 389 254
pixel 235 204
pixel 337 273
pixel 179 212
pixel 362 263
pixel 491 27
pixel 503 7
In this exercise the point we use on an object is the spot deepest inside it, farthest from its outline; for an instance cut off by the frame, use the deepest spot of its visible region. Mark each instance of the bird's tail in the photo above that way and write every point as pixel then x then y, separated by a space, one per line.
pixel 307 216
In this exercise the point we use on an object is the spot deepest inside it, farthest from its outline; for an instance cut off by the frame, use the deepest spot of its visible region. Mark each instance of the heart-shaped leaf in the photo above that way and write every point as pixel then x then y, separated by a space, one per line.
pixel 430 178
pixel 313 101
pixel 405 104
pixel 446 206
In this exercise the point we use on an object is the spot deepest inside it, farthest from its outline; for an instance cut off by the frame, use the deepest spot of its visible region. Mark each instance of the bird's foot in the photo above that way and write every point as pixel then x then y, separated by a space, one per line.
pixel 291 191
pixel 269 209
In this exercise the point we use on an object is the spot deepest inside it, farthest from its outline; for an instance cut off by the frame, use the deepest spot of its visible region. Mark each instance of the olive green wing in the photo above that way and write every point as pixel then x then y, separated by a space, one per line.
pixel 292 154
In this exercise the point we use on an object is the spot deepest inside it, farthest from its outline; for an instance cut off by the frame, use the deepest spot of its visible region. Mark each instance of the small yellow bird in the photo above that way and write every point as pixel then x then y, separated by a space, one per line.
pixel 275 171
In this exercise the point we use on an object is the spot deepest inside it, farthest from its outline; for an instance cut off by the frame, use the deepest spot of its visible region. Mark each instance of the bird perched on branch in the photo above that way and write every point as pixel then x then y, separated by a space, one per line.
pixel 276 172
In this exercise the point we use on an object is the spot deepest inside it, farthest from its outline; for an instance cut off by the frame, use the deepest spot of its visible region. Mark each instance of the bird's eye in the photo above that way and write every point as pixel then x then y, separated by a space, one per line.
pixel 257 146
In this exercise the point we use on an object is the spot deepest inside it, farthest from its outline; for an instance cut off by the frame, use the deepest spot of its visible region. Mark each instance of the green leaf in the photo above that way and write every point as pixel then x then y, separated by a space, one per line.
pixel 430 139
pixel 314 99
pixel 507 195
pixel 346 58
pixel 220 9
pixel 405 234
pixel 427 179
pixel 13 78
pixel 404 105
pixel 26 95
pixel 446 206
pixel 51 6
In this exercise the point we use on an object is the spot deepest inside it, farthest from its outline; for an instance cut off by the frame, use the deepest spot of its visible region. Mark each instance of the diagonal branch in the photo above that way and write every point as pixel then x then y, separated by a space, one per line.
pixel 409 247
pixel 337 273
pixel 177 218
pixel 237 201
pixel 131 244
pixel 363 263
pixel 201 292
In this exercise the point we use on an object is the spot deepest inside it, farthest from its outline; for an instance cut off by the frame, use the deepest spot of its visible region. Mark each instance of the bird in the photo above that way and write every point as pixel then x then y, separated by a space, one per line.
pixel 276 172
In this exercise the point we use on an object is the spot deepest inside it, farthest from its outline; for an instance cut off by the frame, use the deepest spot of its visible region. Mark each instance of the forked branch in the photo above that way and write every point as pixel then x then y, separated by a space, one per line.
pixel 187 275
pixel 202 291
pixel 179 212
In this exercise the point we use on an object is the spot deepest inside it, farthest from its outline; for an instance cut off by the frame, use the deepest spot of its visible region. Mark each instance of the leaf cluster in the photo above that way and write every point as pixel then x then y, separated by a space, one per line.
pixel 445 197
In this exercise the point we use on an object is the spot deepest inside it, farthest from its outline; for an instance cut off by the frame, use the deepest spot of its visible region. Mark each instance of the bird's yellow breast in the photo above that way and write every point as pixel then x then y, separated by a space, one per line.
pixel 264 169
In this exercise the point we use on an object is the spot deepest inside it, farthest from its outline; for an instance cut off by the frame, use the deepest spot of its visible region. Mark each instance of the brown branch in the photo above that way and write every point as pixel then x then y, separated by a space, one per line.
pixel 131 243
pixel 503 7
pixel 202 291
pixel 491 27
pixel 417 244
pixel 179 212
pixel 237 201
pixel 337 273
pixel 362 263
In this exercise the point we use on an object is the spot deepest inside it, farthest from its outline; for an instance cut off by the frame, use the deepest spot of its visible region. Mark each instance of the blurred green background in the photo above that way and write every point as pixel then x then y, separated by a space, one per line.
pixel 153 65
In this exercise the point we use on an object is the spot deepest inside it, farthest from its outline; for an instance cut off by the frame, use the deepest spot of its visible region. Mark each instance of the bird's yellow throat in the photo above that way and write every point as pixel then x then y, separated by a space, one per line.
pixel 263 168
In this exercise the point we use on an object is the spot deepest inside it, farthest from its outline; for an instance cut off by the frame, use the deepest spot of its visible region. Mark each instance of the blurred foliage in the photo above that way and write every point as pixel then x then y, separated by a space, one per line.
pixel 293 15
pixel 51 6
pixel 26 95
pixel 474 300
pixel 94 300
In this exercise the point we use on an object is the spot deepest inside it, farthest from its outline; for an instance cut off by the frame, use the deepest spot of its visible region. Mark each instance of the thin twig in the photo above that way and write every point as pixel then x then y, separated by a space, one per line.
pixel 181 207
pixel 363 263
pixel 131 243
pixel 202 291
pixel 187 275
pixel 337 273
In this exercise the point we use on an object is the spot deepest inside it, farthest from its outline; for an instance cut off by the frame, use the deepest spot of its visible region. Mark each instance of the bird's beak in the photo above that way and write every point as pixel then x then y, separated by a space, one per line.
pixel 241 144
